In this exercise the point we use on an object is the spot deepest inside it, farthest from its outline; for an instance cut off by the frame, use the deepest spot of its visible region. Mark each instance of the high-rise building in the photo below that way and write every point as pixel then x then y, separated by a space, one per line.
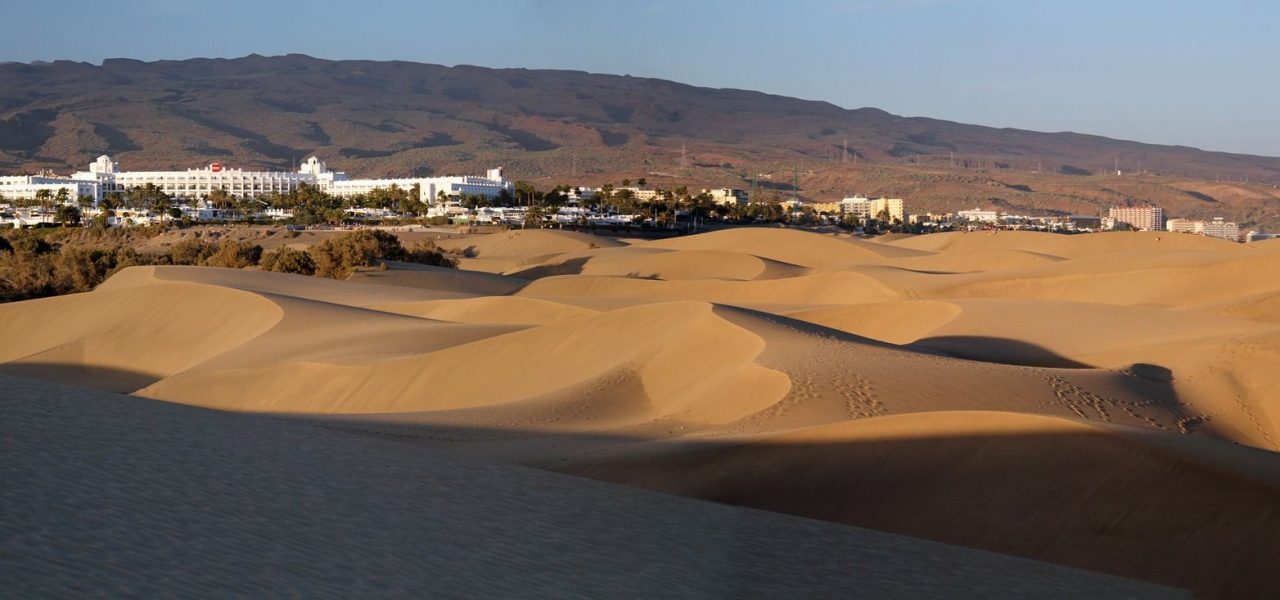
pixel 1221 228
pixel 1146 218
pixel 1218 228
pixel 865 208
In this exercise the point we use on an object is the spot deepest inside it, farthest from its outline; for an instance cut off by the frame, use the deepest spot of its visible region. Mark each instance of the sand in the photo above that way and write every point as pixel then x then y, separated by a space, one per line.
pixel 1102 401
pixel 114 496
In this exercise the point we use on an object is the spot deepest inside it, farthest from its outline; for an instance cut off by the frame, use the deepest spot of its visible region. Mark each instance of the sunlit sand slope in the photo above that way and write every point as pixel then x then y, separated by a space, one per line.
pixel 1104 401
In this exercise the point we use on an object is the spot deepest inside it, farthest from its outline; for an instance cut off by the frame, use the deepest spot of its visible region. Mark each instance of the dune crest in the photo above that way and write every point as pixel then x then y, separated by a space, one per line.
pixel 1088 400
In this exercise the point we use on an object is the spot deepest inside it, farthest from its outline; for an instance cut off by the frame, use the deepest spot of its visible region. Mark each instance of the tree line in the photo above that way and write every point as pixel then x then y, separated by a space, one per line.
pixel 33 266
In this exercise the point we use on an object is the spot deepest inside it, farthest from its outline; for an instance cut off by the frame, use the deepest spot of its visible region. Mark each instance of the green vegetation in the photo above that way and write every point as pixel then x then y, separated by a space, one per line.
pixel 338 257
pixel 234 255
pixel 31 267
pixel 34 264
pixel 288 260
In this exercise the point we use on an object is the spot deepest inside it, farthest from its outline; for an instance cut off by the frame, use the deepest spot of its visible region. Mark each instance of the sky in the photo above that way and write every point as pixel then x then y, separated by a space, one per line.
pixel 1199 74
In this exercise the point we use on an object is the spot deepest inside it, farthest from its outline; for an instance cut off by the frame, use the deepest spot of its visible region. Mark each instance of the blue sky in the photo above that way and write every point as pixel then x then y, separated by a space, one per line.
pixel 1200 74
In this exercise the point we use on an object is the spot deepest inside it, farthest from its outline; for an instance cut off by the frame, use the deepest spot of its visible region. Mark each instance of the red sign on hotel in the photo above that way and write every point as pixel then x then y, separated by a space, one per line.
pixel 215 167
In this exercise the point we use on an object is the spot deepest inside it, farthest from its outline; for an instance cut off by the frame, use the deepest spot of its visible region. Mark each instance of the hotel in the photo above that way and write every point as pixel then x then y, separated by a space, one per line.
pixel 104 176
pixel 1146 218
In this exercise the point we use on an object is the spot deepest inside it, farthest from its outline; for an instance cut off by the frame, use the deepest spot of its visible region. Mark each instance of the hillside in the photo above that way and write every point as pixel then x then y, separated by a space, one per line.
pixel 377 118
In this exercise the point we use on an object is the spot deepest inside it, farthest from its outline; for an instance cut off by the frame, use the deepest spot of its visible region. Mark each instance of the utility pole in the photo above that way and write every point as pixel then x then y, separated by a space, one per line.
pixel 795 182
pixel 844 150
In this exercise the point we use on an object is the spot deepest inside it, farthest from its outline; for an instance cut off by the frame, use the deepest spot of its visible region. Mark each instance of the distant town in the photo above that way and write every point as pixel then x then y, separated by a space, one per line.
pixel 106 196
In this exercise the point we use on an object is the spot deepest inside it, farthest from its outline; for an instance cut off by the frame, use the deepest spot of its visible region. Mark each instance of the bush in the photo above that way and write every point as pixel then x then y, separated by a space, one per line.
pixel 190 251
pixel 235 255
pixel 426 253
pixel 29 244
pixel 288 260
pixel 64 271
pixel 336 258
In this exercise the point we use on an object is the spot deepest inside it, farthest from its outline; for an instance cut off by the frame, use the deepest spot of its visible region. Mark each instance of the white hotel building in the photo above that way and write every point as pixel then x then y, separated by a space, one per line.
pixel 104 176
pixel 28 186
pixel 866 208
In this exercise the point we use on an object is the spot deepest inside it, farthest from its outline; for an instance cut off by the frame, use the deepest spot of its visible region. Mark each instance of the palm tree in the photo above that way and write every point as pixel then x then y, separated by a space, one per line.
pixel 219 199
pixel 68 214
pixel 161 204
pixel 43 196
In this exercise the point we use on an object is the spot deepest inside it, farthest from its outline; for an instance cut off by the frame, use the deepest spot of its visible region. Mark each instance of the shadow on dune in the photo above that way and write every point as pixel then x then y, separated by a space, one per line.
pixel 1160 507
pixel 1186 512
pixel 572 266
pixel 103 491
pixel 100 378
pixel 999 350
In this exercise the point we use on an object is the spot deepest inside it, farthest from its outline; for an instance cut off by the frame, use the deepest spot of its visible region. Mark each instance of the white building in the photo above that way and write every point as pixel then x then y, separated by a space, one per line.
pixel 640 194
pixel 27 187
pixel 858 206
pixel 1146 218
pixel 865 208
pixel 727 196
pixel 104 176
pixel 1218 228
pixel 977 214
pixel 193 183
pixel 336 183
pixel 1222 229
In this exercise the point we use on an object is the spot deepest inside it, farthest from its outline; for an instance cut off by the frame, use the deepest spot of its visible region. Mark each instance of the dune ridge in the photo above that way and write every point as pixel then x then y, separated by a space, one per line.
pixel 1085 400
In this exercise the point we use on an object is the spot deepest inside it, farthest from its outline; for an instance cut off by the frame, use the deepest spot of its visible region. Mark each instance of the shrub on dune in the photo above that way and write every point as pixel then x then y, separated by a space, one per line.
pixel 288 260
pixel 235 255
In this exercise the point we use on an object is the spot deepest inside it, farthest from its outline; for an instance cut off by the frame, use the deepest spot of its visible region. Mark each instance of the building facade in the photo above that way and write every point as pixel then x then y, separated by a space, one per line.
pixel 977 214
pixel 28 187
pixel 727 196
pixel 1218 228
pixel 1146 218
pixel 866 208
pixel 104 177
pixel 1222 229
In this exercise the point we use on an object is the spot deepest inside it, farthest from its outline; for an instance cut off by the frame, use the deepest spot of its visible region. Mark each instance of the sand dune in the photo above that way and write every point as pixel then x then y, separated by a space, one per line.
pixel 501 252
pixel 196 503
pixel 790 246
pixel 841 287
pixel 1066 246
pixel 440 278
pixel 1016 484
pixel 1086 400
pixel 651 263
pixel 491 309
pixel 524 243
pixel 123 337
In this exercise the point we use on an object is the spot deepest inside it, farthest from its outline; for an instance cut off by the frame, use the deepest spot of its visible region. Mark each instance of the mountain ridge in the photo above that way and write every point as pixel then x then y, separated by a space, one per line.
pixel 377 118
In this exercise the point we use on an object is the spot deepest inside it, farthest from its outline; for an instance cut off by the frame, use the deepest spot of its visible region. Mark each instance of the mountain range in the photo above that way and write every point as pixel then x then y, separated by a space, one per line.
pixel 374 118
